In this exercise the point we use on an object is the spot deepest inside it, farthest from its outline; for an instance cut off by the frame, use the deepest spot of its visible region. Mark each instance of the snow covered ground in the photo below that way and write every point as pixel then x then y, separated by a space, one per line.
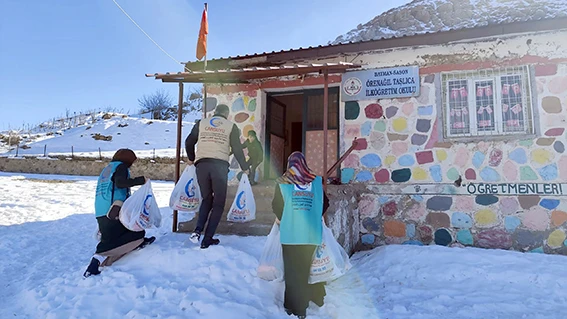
pixel 47 237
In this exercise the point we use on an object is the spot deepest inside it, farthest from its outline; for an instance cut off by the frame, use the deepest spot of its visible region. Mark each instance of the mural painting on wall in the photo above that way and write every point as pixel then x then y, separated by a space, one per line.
pixel 243 112
pixel 512 189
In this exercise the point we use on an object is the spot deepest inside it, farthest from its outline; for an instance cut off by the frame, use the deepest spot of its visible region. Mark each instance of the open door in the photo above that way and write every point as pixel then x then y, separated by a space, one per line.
pixel 313 130
pixel 275 165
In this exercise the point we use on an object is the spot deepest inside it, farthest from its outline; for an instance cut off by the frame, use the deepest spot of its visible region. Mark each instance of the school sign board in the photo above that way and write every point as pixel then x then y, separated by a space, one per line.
pixel 376 84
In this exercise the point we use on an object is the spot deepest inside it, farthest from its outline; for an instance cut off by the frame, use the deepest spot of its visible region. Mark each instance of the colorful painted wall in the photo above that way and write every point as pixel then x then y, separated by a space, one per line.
pixel 246 112
pixel 401 145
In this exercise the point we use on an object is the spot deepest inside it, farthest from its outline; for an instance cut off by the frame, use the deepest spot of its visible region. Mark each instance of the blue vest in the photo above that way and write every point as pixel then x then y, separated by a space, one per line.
pixel 103 198
pixel 301 222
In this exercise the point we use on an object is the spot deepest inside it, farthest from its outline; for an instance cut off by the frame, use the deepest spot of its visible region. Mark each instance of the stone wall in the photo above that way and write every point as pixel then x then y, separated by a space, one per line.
pixel 151 169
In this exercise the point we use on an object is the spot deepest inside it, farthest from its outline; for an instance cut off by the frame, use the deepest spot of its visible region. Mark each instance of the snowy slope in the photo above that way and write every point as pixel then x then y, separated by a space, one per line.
pixel 141 135
pixel 46 240
pixel 421 16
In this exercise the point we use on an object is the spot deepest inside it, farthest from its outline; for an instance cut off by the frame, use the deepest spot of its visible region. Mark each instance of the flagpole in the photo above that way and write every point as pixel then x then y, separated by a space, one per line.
pixel 205 70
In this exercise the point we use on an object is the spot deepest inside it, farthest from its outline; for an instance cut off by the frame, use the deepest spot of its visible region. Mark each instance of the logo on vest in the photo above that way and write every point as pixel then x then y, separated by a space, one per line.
pixel 302 188
pixel 215 122
pixel 215 125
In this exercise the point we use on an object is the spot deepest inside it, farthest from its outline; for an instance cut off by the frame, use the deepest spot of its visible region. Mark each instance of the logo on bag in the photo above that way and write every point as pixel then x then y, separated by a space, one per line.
pixel 319 251
pixel 241 200
pixel 190 188
pixel 145 215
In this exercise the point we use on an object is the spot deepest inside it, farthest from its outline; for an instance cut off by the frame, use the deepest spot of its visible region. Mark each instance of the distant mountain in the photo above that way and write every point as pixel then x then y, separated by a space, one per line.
pixel 421 16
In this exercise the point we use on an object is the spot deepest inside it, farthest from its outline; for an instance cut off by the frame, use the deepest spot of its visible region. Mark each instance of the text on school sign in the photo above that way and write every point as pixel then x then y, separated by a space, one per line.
pixel 517 188
pixel 380 84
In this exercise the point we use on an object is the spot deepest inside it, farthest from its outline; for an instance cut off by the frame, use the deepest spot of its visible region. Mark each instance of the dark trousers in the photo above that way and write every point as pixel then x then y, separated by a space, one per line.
pixel 298 293
pixel 213 178
pixel 114 235
pixel 253 163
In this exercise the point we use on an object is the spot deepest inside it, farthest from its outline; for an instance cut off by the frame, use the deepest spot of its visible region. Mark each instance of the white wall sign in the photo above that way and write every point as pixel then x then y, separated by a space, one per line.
pixel 380 83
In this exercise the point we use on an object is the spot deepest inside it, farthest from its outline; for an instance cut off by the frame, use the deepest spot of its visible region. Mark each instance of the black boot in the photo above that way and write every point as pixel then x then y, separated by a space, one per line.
pixel 92 269
pixel 147 241
pixel 208 242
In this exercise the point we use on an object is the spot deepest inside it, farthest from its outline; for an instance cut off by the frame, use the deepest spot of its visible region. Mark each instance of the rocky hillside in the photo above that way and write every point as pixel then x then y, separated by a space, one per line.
pixel 422 16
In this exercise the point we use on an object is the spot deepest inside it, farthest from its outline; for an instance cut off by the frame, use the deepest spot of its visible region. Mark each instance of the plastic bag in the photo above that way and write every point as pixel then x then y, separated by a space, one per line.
pixel 186 195
pixel 140 211
pixel 271 261
pixel 330 260
pixel 243 208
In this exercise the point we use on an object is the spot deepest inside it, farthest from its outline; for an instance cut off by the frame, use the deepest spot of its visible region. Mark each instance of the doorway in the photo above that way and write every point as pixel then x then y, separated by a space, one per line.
pixel 295 123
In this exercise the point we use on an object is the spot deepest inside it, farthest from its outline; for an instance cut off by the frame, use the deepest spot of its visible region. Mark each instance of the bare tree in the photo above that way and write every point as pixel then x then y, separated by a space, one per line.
pixel 155 104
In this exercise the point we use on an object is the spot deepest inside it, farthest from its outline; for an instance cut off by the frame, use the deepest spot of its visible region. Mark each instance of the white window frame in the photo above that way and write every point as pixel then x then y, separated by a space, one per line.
pixel 494 75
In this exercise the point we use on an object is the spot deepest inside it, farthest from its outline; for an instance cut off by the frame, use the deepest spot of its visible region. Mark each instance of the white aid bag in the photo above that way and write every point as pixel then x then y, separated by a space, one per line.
pixel 330 260
pixel 243 208
pixel 140 211
pixel 186 195
pixel 271 265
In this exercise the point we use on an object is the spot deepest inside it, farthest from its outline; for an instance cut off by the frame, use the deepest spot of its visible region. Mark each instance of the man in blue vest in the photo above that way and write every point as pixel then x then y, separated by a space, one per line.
pixel 112 189
pixel 215 136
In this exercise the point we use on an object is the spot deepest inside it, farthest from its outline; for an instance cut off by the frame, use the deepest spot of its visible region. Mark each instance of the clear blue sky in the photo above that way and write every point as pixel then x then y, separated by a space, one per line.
pixel 77 55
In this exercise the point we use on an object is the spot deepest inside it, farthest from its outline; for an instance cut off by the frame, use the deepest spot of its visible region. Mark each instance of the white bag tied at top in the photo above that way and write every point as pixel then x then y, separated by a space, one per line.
pixel 330 260
pixel 140 211
pixel 186 195
pixel 271 265
pixel 243 208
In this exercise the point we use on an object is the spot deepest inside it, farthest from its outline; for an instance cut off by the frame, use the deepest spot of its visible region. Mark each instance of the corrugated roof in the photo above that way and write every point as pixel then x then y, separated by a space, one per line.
pixel 499 29
pixel 244 75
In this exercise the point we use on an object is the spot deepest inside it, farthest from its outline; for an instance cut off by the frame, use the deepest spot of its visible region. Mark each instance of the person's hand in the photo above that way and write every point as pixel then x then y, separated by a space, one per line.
pixel 146 180
pixel 278 221
pixel 247 172
pixel 189 163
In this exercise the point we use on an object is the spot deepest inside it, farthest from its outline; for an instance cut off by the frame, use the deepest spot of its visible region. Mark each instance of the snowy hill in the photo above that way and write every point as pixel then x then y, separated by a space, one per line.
pixel 421 16
pixel 107 132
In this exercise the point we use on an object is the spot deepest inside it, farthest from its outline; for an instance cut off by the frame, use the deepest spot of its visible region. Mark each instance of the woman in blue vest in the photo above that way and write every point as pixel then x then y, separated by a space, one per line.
pixel 116 240
pixel 300 202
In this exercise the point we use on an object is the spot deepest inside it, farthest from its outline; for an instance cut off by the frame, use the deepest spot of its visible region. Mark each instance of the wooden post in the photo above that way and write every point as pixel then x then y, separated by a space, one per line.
pixel 45 150
pixel 17 149
pixel 72 152
pixel 99 154
pixel 178 146
pixel 325 126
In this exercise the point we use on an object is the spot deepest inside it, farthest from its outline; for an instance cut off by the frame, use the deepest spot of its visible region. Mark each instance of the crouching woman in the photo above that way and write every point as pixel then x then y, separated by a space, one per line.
pixel 299 202
pixel 112 189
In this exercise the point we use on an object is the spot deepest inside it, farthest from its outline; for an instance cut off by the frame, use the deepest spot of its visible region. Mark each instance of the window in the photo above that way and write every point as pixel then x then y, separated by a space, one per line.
pixel 487 102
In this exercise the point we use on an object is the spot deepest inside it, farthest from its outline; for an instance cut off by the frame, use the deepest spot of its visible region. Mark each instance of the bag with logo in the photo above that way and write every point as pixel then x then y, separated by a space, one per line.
pixel 243 208
pixel 330 260
pixel 271 265
pixel 186 195
pixel 140 211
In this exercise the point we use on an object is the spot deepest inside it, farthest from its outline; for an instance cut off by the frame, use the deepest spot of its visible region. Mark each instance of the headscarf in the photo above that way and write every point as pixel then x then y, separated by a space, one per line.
pixel 126 156
pixel 297 171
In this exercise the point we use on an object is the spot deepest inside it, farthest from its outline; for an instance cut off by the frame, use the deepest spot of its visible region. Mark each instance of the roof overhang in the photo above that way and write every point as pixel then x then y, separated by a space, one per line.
pixel 246 75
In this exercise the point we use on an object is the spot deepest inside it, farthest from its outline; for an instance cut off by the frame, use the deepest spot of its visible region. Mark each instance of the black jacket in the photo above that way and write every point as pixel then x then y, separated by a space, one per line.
pixel 255 151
